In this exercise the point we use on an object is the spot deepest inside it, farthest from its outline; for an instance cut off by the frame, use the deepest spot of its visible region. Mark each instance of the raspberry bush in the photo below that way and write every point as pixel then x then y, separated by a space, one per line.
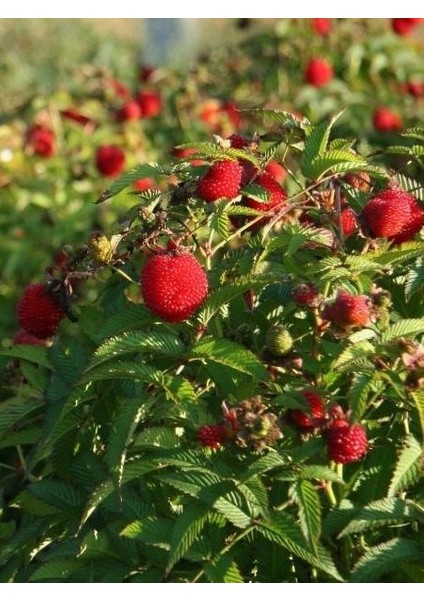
pixel 232 394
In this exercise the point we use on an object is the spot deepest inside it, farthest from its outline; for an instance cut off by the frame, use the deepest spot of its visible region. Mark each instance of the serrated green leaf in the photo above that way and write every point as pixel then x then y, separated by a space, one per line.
pixel 308 500
pixel 57 493
pixel 403 328
pixel 398 254
pixel 155 531
pixel 319 472
pixel 56 569
pixel 188 527
pixel 282 530
pixel 262 465
pixel 418 398
pixel 281 117
pixel 414 132
pixel 133 316
pixel 223 570
pixel 380 559
pixel 230 354
pixel 149 170
pixel 34 354
pixel 379 514
pixel 15 409
pixel 408 467
pixel 350 354
pixel 160 437
pixel 138 341
pixel 124 425
pixel 363 385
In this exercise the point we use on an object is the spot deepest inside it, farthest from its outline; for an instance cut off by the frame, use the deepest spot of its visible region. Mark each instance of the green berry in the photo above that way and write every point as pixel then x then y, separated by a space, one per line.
pixel 278 340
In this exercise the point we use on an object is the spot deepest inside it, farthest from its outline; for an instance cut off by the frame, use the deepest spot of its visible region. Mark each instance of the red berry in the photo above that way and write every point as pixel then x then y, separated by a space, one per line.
pixel 276 198
pixel 238 141
pixel 146 183
pixel 415 89
pixel 233 113
pixel 23 337
pixel 404 26
pixel 321 26
pixel 349 222
pixel 348 311
pixel 276 171
pixel 314 417
pixel 319 72
pixel 150 104
pixel 146 73
pixel 305 294
pixel 388 213
pixel 130 111
pixel 39 313
pixel 221 180
pixel 41 140
pixel 173 285
pixel 385 119
pixel 413 226
pixel 120 89
pixel 110 160
pixel 211 436
pixel 346 443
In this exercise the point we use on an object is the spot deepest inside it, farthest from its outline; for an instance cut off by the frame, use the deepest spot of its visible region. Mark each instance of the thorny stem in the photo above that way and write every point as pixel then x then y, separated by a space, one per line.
pixel 226 548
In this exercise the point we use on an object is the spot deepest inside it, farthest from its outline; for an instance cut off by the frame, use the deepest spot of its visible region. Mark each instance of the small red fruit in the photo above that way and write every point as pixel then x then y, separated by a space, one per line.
pixel 41 140
pixel 305 294
pixel 404 26
pixel 321 26
pixel 238 141
pixel 348 311
pixel 211 436
pixel 319 72
pixel 39 313
pixel 415 89
pixel 146 183
pixel 174 285
pixel 346 443
pixel 315 417
pixel 384 119
pixel 221 180
pixel 233 113
pixel 277 197
pixel 110 160
pixel 413 226
pixel 276 171
pixel 348 221
pixel 23 337
pixel 388 213
pixel 150 104
pixel 130 111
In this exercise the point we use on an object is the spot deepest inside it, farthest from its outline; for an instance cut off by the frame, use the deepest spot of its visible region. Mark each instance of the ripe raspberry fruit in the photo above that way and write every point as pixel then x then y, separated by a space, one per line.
pixel 39 313
pixel 346 443
pixel 404 26
pixel 348 311
pixel 221 180
pixel 319 72
pixel 145 183
pixel 238 141
pixel 130 111
pixel 150 104
pixel 415 89
pixel 23 337
pixel 211 436
pixel 305 294
pixel 276 198
pixel 279 340
pixel 110 160
pixel 348 221
pixel 41 140
pixel 276 171
pixel 321 26
pixel 173 285
pixel 384 119
pixel 386 214
pixel 315 417
pixel 413 226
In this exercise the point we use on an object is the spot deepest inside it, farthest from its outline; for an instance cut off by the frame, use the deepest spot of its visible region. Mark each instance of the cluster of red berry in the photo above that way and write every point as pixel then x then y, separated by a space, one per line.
pixel 345 442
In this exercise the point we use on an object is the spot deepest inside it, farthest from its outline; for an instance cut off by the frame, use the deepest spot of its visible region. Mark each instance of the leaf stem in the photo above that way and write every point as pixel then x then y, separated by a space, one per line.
pixel 225 549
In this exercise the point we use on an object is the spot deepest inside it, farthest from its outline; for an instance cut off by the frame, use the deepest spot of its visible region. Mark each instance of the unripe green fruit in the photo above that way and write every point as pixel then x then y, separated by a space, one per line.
pixel 100 248
pixel 278 340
